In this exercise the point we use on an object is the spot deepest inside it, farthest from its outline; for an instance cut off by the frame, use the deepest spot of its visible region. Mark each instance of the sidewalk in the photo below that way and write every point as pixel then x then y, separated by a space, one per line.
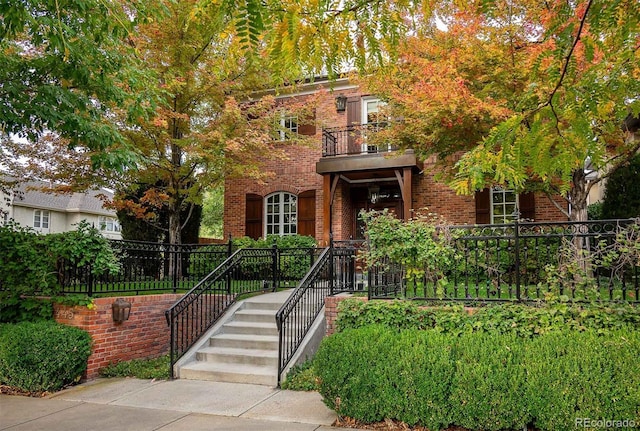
pixel 139 405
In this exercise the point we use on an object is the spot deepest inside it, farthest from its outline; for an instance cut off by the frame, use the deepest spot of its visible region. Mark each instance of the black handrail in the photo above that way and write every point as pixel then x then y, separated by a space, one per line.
pixel 333 272
pixel 246 271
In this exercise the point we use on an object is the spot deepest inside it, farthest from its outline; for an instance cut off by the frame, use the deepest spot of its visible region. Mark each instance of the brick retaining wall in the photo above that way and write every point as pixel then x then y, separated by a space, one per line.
pixel 144 335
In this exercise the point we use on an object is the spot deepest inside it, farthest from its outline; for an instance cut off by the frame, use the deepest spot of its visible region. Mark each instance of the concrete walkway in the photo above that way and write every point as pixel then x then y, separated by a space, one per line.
pixel 139 405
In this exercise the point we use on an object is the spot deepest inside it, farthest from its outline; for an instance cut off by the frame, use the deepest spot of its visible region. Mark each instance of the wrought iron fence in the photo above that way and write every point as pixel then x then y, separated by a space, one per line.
pixel 333 272
pixel 154 267
pixel 338 141
pixel 584 261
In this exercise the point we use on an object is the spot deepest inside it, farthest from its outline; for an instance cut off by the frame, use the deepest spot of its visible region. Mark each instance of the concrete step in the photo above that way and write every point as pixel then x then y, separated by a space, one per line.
pixel 255 315
pixel 236 373
pixel 262 305
pixel 244 341
pixel 250 328
pixel 229 355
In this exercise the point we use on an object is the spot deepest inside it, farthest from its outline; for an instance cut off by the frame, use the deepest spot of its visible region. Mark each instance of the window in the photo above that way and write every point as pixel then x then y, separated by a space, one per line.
pixel 4 217
pixel 281 214
pixel 108 224
pixel 41 219
pixel 503 205
pixel 373 121
pixel 287 127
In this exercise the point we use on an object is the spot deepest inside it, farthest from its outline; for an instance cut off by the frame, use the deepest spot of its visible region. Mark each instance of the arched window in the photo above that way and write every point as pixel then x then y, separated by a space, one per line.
pixel 281 214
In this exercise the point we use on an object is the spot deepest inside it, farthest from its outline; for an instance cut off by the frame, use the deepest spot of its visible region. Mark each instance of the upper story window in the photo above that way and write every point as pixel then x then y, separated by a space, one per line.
pixel 281 214
pixel 373 120
pixel 41 219
pixel 287 127
pixel 108 224
pixel 503 205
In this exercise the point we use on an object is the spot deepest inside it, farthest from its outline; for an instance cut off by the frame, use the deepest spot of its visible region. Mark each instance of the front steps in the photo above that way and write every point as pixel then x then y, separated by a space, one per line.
pixel 244 349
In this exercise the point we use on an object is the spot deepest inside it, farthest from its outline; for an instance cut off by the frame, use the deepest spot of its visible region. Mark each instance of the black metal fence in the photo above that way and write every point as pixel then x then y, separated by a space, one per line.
pixel 333 272
pixel 583 261
pixel 153 267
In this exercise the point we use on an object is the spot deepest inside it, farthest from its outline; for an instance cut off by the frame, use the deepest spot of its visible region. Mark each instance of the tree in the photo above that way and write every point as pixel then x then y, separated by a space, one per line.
pixel 66 66
pixel 199 134
pixel 212 213
pixel 520 94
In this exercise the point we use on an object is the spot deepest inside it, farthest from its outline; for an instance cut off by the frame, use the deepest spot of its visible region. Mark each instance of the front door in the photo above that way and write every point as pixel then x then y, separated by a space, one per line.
pixel 389 198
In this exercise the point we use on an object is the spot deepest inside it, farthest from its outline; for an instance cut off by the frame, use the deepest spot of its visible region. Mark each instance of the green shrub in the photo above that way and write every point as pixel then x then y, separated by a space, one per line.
pixel 489 382
pixel 42 356
pixel 520 319
pixel 479 380
pixel 301 377
pixel 385 374
pixel 32 265
pixel 583 375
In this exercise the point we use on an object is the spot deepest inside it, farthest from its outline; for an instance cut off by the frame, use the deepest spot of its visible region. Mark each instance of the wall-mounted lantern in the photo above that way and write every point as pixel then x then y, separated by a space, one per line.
pixel 120 310
pixel 374 194
pixel 341 103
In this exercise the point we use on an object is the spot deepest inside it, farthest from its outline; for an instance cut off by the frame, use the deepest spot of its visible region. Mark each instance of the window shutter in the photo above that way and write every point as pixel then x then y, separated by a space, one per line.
pixel 527 206
pixel 483 207
pixel 307 213
pixel 354 117
pixel 253 216
pixel 309 128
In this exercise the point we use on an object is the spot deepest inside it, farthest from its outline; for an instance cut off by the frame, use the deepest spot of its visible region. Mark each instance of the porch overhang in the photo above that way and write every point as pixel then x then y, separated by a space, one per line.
pixel 363 166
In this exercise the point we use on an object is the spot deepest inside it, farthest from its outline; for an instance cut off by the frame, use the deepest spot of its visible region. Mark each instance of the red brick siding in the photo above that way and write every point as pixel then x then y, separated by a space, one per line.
pixel 298 174
pixel 144 335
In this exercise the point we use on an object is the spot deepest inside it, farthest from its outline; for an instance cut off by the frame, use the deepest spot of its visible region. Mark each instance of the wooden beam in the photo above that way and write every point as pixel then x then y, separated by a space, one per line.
pixel 326 208
pixel 404 180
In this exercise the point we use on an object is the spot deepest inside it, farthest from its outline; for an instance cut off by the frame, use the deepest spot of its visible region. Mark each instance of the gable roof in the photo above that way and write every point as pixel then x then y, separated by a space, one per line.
pixel 32 194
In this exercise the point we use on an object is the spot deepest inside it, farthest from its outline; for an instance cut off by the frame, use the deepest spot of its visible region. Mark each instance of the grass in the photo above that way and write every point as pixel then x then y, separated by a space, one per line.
pixel 155 368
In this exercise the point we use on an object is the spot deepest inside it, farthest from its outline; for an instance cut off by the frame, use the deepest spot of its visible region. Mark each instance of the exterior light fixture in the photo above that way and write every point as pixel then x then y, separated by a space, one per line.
pixel 120 310
pixel 341 103
pixel 374 194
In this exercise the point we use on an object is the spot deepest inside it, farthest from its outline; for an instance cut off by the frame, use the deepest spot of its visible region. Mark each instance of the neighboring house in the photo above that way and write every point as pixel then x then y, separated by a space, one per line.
pixel 321 189
pixel 30 205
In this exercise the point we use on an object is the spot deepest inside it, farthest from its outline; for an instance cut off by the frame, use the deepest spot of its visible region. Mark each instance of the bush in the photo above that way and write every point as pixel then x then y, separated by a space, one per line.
pixel 33 265
pixel 42 356
pixel 479 380
pixel 582 376
pixel 301 377
pixel 520 319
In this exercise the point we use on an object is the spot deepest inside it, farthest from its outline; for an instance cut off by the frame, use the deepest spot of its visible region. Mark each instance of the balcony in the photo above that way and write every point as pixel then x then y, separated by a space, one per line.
pixel 350 140
pixel 345 149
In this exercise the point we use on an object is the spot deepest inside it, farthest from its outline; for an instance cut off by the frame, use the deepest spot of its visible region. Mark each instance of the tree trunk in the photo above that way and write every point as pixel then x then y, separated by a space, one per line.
pixel 175 240
pixel 578 200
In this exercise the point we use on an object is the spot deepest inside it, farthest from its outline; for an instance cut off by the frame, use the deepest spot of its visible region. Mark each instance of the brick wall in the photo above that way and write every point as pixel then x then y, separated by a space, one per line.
pixel 297 174
pixel 144 335
pixel 331 310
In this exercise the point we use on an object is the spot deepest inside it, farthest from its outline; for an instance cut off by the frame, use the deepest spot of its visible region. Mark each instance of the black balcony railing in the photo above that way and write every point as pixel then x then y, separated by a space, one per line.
pixel 351 140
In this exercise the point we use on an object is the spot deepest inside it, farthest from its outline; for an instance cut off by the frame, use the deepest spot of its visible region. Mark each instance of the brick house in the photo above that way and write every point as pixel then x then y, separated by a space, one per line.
pixel 321 189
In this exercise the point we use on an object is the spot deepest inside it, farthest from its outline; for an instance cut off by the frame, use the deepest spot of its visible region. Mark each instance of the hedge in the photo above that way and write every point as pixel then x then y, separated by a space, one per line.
pixel 479 380
pixel 519 319
pixel 42 356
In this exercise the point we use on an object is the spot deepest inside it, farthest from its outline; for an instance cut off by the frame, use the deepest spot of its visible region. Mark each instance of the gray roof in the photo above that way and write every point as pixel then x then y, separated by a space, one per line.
pixel 33 194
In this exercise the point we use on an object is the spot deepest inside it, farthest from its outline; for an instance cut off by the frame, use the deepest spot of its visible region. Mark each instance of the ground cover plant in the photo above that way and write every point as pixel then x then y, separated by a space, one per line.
pixel 149 368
